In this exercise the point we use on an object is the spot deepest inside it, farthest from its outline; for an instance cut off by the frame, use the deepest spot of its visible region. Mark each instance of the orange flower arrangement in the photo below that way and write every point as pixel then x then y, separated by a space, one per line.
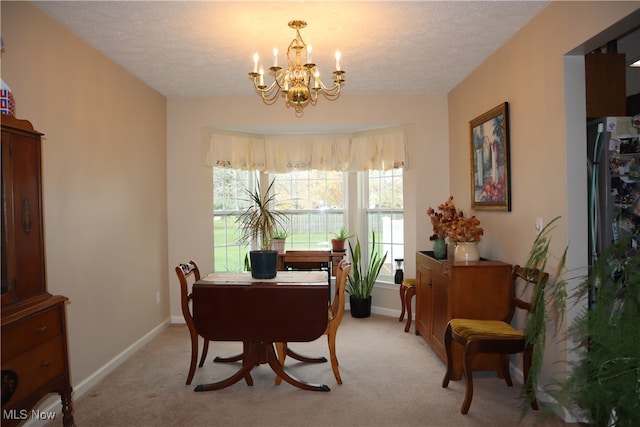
pixel 450 222
pixel 441 220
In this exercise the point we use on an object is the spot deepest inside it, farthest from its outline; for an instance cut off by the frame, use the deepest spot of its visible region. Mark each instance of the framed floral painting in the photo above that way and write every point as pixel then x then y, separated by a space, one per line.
pixel 489 141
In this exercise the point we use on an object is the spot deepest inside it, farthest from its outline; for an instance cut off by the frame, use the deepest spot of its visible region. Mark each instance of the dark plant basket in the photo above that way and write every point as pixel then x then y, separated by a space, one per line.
pixel 264 264
pixel 360 307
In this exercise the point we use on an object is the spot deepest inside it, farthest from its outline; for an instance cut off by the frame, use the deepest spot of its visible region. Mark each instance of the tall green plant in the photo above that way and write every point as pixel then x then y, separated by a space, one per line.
pixel 259 222
pixel 605 382
pixel 361 280
pixel 556 290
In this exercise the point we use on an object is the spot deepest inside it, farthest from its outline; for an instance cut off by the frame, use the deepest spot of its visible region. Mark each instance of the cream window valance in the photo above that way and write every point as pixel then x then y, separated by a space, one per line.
pixel 376 150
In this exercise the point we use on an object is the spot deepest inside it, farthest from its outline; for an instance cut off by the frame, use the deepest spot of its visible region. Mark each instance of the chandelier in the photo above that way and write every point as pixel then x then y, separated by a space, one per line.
pixel 299 84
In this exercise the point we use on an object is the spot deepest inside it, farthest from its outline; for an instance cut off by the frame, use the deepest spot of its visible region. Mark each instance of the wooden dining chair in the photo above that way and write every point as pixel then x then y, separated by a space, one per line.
pixel 188 274
pixel 190 271
pixel 494 336
pixel 335 313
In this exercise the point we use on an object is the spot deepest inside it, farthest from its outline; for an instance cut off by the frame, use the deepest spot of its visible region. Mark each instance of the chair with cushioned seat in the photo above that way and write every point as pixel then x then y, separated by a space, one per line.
pixel 494 336
pixel 407 292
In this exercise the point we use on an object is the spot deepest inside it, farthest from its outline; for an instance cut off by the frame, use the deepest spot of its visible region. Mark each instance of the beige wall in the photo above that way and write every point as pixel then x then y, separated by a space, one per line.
pixel 190 122
pixel 104 172
pixel 545 91
pixel 114 159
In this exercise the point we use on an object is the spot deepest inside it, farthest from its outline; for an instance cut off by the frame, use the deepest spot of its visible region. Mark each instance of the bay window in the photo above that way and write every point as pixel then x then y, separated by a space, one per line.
pixel 322 183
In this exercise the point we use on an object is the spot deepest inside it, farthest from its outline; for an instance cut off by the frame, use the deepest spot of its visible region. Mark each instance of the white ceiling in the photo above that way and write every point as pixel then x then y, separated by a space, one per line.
pixel 205 48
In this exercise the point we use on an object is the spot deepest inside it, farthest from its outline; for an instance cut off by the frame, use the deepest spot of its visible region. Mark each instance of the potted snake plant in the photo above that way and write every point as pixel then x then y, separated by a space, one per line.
pixel 362 278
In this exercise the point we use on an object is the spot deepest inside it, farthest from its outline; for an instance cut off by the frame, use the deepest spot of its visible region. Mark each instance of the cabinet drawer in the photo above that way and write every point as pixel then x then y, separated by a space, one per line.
pixel 30 332
pixel 36 367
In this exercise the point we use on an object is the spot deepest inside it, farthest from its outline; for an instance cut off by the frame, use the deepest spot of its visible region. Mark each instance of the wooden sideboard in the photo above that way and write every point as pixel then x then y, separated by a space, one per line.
pixel 34 333
pixel 446 289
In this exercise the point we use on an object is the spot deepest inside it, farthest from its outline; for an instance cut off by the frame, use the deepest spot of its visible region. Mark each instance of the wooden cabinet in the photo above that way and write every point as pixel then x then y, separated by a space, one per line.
pixel 34 338
pixel 605 84
pixel 446 289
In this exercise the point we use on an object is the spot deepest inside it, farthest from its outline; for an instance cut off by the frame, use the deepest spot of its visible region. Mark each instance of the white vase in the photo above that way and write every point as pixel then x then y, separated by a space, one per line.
pixel 466 251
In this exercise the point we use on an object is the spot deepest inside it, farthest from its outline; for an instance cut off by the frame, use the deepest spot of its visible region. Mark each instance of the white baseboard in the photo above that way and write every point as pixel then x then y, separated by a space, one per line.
pixel 389 312
pixel 177 320
pixel 544 397
pixel 53 403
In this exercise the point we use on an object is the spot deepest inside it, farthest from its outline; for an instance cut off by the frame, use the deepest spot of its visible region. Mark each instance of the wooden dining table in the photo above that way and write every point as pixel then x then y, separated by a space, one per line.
pixel 292 307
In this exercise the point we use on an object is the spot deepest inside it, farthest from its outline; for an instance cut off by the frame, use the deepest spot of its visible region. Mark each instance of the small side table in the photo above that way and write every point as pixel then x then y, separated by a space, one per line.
pixel 407 292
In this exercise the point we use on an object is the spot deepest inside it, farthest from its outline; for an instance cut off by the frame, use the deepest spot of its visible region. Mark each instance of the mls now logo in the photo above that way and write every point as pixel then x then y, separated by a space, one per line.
pixel 23 414
pixel 15 414
pixel 43 415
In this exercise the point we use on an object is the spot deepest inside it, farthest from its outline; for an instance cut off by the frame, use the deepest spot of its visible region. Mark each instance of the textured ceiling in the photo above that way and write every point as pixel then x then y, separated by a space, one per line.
pixel 199 48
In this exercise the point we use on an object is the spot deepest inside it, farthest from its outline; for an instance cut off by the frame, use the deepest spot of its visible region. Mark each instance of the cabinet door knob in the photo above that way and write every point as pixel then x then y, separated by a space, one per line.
pixel 430 283
pixel 42 329
pixel 44 364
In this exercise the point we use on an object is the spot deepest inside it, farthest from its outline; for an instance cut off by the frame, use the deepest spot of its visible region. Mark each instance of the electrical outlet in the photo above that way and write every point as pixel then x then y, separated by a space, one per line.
pixel 157 297
pixel 538 224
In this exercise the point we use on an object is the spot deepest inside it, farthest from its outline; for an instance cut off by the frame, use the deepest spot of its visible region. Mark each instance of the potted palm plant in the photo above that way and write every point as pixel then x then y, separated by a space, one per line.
pixel 258 224
pixel 339 239
pixel 362 278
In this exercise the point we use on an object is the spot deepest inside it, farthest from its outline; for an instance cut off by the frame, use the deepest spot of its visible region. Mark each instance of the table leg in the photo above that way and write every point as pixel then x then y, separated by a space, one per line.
pixel 273 361
pixel 249 360
pixel 256 353
pixel 229 359
pixel 302 358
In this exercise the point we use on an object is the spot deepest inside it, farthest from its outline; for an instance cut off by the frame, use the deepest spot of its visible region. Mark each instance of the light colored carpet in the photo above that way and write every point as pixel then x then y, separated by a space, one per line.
pixel 391 378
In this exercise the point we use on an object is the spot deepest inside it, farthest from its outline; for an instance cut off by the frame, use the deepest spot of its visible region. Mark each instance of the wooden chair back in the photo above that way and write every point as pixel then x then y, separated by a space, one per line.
pixel 187 275
pixel 336 309
pixel 524 276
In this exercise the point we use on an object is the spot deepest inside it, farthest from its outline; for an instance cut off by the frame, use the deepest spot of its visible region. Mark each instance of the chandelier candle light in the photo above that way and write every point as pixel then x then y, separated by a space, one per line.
pixel 300 82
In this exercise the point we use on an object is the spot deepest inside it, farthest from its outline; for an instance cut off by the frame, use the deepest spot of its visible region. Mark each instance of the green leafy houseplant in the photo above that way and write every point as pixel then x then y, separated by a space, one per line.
pixel 604 385
pixel 258 224
pixel 362 279
pixel 280 235
pixel 339 238
pixel 279 240
pixel 552 296
pixel 343 234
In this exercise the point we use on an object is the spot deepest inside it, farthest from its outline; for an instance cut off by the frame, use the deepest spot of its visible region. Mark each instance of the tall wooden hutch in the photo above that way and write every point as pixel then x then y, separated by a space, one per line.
pixel 34 334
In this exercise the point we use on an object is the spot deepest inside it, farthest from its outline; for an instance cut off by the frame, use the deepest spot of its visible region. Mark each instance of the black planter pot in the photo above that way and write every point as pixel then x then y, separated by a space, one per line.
pixel 360 307
pixel 264 264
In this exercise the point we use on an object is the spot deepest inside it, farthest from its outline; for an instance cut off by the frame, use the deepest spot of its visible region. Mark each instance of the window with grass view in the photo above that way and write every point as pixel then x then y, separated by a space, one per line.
pixel 317 204
pixel 384 216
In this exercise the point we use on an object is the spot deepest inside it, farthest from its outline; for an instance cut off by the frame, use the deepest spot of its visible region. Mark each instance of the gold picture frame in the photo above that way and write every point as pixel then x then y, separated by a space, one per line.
pixel 490 173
